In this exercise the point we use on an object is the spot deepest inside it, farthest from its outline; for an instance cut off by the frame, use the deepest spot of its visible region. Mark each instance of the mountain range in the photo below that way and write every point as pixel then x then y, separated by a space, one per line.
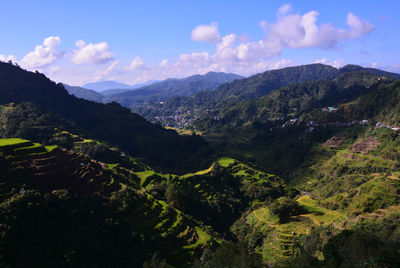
pixel 203 104
pixel 152 91
pixel 105 85
pixel 162 91
pixel 297 167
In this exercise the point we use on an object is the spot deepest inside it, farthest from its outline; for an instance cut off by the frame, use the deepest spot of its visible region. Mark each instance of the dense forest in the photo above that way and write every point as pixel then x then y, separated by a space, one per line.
pixel 298 167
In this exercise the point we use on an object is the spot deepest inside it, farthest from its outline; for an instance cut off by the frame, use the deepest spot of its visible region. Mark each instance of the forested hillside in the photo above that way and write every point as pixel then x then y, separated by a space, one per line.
pixel 162 148
pixel 182 111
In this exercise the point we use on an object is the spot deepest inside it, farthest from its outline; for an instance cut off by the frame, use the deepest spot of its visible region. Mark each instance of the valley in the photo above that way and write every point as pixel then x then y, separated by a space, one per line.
pixel 297 172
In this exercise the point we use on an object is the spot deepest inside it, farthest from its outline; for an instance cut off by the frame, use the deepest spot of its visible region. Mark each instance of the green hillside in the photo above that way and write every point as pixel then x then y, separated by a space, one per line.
pixel 59 180
pixel 298 167
pixel 111 123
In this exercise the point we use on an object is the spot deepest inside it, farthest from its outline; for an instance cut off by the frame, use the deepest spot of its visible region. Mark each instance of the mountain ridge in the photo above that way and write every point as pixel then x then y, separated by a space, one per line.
pixel 108 122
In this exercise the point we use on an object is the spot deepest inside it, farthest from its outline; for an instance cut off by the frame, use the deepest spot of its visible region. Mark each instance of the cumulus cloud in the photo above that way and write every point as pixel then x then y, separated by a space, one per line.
pixel 233 53
pixel 374 65
pixel 110 68
pixel 335 63
pixel 291 30
pixel 206 33
pixel 164 62
pixel 302 31
pixel 284 9
pixel 7 58
pixel 91 53
pixel 43 55
pixel 137 64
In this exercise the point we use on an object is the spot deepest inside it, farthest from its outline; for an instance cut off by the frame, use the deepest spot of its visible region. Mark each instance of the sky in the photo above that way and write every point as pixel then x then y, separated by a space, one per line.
pixel 77 42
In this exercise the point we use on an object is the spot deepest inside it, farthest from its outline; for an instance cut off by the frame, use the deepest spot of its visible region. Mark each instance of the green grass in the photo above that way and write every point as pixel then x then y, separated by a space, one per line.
pixel 203 238
pixel 51 148
pixel 280 238
pixel 319 215
pixel 34 149
pixel 111 166
pixel 177 220
pixel 12 141
pixel 201 172
pixel 144 174
pixel 226 161
pixel 264 215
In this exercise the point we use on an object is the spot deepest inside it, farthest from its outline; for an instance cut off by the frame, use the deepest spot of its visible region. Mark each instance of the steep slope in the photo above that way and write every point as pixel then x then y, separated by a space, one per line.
pixel 293 101
pixel 84 93
pixel 83 197
pixel 218 195
pixel 262 84
pixel 112 123
pixel 349 185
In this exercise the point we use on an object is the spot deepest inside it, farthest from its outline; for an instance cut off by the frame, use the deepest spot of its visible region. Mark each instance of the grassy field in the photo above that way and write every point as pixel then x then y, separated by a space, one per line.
pixel 226 161
pixel 319 215
pixel 281 238
pixel 12 141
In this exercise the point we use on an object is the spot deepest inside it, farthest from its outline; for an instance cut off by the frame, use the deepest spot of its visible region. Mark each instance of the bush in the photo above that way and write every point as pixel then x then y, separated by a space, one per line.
pixel 284 208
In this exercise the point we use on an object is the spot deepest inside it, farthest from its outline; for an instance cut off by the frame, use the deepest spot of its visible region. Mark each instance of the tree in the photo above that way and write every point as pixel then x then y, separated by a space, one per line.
pixel 284 208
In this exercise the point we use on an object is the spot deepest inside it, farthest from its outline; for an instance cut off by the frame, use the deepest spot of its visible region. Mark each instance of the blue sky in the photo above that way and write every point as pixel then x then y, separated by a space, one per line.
pixel 135 41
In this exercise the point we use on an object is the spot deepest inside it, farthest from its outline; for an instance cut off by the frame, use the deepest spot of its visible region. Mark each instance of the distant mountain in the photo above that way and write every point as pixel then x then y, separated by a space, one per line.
pixel 84 93
pixel 161 91
pixel 190 108
pixel 115 91
pixel 105 85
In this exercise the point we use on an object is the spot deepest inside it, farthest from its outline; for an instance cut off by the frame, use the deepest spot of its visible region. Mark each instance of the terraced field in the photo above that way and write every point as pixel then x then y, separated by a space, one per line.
pixel 283 238
pixel 52 168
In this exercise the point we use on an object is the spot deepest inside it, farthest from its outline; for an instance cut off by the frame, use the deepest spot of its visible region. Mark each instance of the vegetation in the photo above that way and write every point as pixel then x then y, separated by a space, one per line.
pixel 93 185
pixel 50 107
pixel 157 92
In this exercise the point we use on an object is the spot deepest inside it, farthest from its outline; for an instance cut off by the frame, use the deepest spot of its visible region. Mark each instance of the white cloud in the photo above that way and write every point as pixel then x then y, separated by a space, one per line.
pixel 43 55
pixel 374 65
pixel 7 58
pixel 91 53
pixel 164 62
pixel 110 68
pixel 284 9
pixel 358 27
pixel 137 64
pixel 233 53
pixel 206 33
pixel 302 31
pixel 336 63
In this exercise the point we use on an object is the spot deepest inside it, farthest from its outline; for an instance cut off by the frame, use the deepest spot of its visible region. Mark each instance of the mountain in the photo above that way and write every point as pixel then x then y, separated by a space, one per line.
pixel 202 104
pixel 90 207
pixel 262 84
pixel 161 91
pixel 84 93
pixel 105 85
pixel 293 101
pixel 115 91
pixel 162 148
pixel 307 175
